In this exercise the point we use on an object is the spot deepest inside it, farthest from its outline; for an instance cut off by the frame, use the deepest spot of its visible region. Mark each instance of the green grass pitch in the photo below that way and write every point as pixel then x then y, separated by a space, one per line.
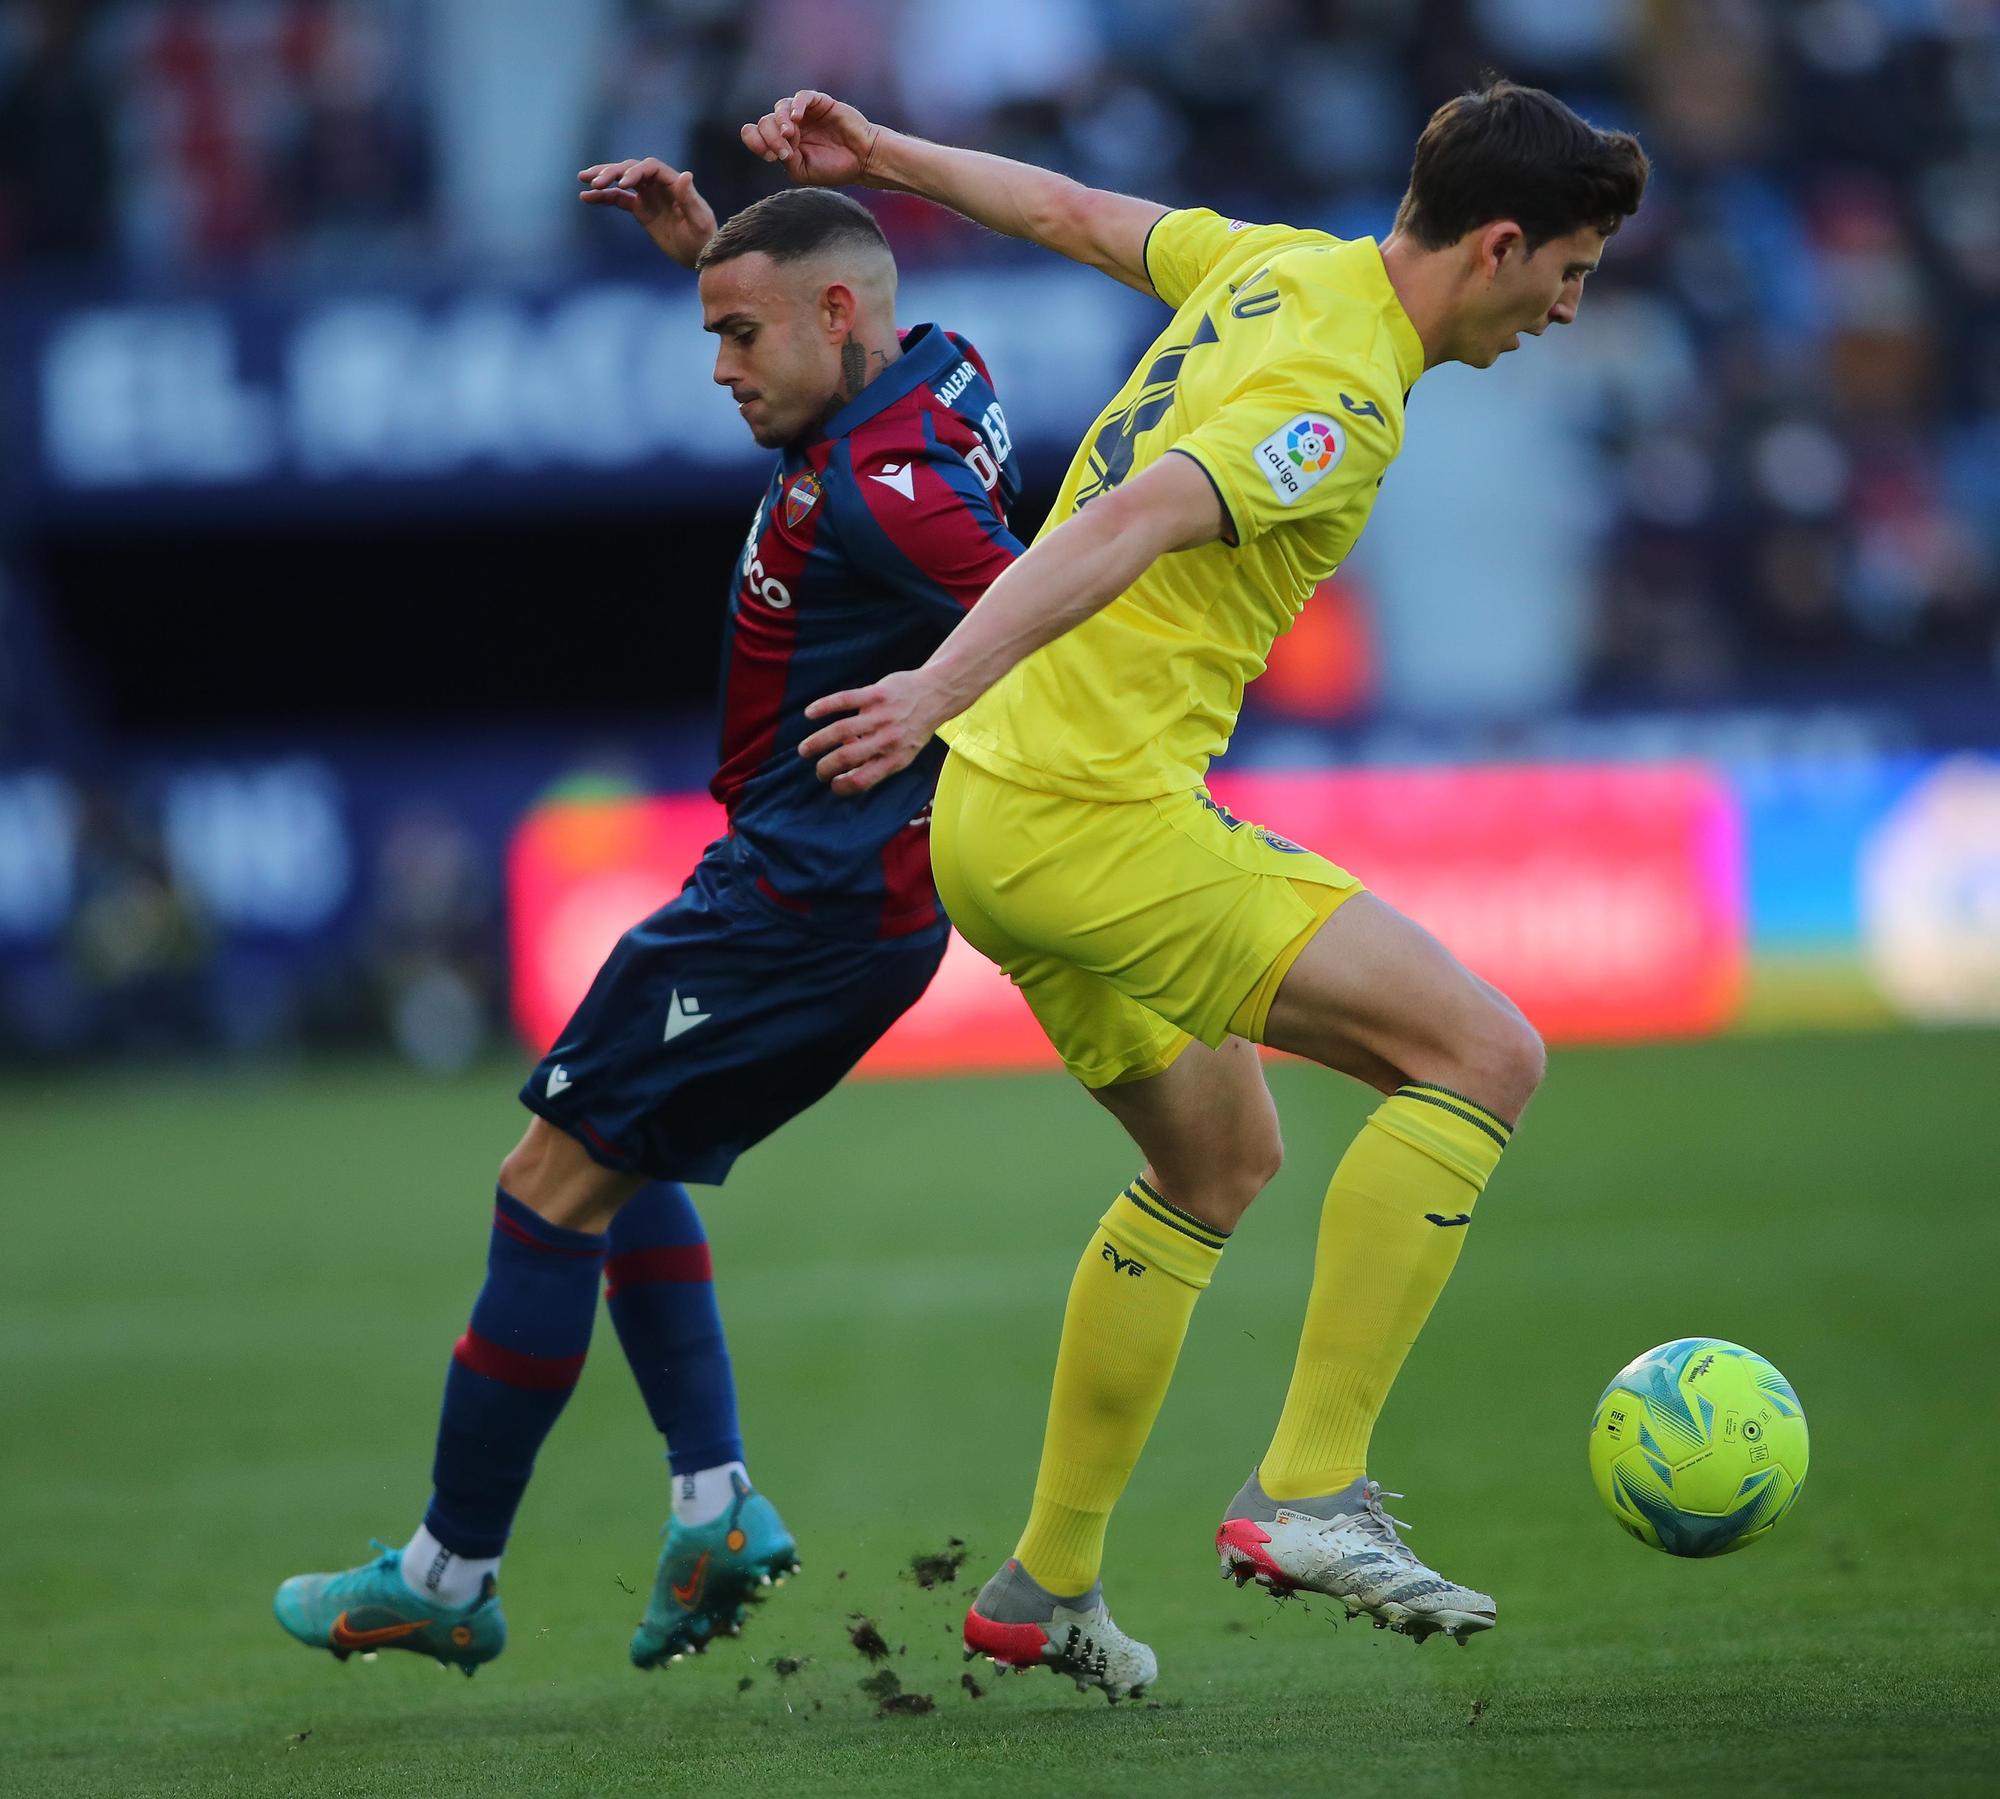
pixel 225 1307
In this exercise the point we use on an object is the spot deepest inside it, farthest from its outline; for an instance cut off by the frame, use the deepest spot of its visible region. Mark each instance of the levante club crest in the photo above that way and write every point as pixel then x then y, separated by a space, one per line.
pixel 800 498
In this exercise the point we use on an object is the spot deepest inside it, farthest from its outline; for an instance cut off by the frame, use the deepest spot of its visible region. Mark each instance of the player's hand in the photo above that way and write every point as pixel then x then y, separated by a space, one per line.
pixel 661 198
pixel 822 142
pixel 876 732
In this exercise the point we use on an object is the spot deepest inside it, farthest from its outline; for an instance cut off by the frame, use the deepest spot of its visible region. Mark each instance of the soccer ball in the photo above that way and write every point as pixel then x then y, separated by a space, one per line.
pixel 1699 1447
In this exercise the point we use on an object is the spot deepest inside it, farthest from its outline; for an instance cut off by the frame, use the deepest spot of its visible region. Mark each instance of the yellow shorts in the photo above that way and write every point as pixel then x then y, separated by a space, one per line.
pixel 1132 926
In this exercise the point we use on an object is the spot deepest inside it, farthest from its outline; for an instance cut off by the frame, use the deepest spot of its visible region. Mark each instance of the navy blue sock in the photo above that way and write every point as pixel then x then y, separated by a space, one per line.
pixel 511 1374
pixel 661 1290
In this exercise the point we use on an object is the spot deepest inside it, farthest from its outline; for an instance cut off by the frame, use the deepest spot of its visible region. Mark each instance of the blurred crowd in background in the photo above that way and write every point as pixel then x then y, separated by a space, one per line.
pixel 1807 429
pixel 1794 428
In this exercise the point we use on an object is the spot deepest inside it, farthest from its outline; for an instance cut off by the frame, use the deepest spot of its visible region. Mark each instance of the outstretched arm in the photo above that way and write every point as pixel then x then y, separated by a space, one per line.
pixel 1070 574
pixel 823 142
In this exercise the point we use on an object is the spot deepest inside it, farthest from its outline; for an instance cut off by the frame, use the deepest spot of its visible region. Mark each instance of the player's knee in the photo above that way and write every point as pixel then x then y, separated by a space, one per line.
pixel 1535 1058
pixel 549 1172
pixel 1265 1158
pixel 1225 1188
pixel 1514 1060
pixel 1254 1153
pixel 519 1169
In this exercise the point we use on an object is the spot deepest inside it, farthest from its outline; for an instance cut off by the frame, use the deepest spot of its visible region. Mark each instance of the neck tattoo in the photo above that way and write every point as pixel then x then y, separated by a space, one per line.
pixel 855 374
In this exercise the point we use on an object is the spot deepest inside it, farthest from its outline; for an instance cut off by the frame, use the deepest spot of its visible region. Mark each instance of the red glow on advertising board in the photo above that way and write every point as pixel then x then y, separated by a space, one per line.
pixel 1607 901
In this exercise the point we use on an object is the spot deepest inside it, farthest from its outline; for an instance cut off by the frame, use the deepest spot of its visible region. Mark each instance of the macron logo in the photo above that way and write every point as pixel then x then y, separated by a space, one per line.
pixel 898 476
pixel 559 1081
pixel 682 1015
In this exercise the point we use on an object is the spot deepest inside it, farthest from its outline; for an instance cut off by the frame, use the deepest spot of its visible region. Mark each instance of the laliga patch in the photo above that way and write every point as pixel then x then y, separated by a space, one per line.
pixel 800 498
pixel 1297 456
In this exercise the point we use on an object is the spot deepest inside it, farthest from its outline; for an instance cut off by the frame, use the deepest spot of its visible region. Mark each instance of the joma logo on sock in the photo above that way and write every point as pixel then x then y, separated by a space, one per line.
pixel 1123 1264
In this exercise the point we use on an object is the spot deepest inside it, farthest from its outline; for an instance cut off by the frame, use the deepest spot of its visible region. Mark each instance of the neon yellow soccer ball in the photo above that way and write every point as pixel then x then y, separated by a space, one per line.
pixel 1699 1447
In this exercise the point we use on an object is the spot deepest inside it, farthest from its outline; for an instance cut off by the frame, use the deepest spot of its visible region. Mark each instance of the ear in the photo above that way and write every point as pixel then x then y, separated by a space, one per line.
pixel 839 310
pixel 1497 241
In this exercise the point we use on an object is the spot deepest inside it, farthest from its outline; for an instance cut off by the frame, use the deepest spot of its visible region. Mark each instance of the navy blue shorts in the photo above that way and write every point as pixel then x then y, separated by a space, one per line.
pixel 715 1021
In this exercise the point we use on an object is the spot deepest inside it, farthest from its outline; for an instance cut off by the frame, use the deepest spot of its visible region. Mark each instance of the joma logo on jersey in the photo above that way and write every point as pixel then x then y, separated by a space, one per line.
pixel 1123 1264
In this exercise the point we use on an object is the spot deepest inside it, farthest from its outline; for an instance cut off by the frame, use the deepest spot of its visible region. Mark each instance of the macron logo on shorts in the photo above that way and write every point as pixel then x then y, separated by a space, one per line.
pixel 682 1015
pixel 559 1081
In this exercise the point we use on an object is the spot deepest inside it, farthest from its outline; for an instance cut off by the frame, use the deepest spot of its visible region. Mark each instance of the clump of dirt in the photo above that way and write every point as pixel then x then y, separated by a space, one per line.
pixel 788 1665
pixel 972 1687
pixel 940 1568
pixel 745 1684
pixel 868 1641
pixel 890 1700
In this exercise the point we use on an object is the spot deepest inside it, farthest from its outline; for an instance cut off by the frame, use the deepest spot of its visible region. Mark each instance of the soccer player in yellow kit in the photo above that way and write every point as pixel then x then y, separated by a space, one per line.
pixel 1156 937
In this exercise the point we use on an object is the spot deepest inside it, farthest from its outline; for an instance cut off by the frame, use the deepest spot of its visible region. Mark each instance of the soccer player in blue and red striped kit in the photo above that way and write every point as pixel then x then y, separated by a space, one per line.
pixel 801 936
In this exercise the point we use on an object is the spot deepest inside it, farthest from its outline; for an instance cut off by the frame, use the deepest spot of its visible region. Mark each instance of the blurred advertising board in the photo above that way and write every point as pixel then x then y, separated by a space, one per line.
pixel 1613 899
pixel 1609 901
pixel 593 390
pixel 1929 882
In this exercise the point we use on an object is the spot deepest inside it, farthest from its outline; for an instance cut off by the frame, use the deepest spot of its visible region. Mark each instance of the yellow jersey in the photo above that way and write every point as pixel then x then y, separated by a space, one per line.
pixel 1282 374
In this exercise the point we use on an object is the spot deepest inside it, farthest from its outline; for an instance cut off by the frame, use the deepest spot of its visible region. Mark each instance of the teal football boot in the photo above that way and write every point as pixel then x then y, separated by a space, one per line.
pixel 710 1575
pixel 373 1607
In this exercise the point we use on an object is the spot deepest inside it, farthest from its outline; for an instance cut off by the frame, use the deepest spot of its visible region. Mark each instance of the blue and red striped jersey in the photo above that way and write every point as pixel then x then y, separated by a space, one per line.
pixel 876 533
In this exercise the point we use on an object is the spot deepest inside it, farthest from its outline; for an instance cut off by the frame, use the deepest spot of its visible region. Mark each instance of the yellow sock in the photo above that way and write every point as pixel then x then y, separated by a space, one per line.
pixel 1129 1305
pixel 1389 1236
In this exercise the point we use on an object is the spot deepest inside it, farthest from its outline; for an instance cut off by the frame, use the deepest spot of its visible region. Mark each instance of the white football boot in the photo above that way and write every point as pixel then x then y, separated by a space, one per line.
pixel 1345 1546
pixel 1019 1623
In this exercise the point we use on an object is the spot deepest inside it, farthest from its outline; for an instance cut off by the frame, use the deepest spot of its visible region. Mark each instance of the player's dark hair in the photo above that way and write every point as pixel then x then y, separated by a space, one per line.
pixel 795 223
pixel 1511 152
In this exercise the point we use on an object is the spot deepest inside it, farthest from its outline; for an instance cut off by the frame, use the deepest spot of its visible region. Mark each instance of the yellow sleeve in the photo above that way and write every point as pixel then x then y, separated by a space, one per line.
pixel 1183 248
pixel 1297 438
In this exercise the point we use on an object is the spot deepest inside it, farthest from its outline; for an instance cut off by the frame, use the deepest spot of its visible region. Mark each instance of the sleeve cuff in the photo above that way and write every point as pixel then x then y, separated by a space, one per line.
pixel 1146 252
pixel 1230 535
